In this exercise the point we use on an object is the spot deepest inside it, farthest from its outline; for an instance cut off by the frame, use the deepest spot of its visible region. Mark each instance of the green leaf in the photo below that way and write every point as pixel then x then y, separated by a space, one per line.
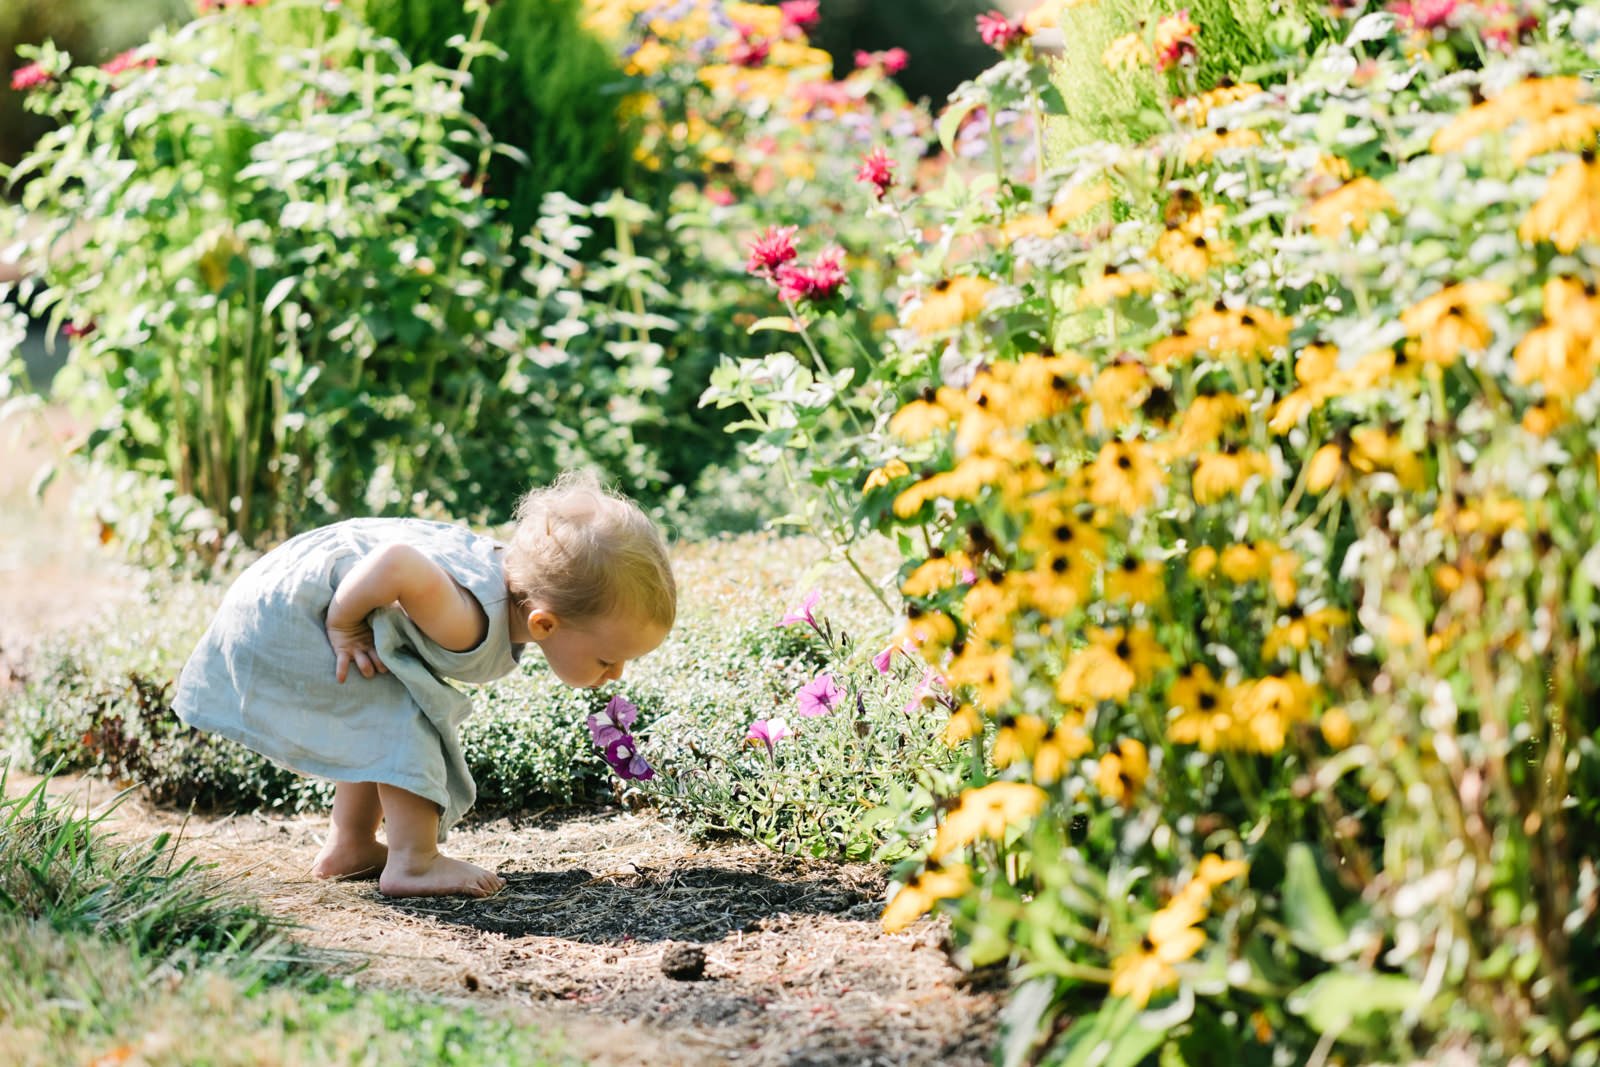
pixel 950 122
pixel 781 323
pixel 1114 1036
pixel 1313 921
pixel 1024 1017
pixel 1334 1002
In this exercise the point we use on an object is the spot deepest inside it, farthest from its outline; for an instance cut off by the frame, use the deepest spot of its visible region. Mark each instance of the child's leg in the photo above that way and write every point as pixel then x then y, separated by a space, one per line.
pixel 352 849
pixel 415 868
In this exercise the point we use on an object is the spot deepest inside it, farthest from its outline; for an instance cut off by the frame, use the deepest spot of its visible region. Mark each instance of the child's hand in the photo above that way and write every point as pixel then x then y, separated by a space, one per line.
pixel 353 644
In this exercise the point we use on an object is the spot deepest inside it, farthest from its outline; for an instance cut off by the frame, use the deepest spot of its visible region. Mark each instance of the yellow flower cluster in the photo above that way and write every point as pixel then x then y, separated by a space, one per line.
pixel 1172 935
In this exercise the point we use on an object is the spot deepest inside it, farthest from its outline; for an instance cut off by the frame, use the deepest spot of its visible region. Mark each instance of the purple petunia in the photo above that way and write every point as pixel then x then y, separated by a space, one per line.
pixel 803 612
pixel 768 732
pixel 609 728
pixel 819 696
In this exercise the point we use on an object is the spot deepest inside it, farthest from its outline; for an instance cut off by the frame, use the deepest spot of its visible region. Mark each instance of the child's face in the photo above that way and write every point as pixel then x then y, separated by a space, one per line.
pixel 593 652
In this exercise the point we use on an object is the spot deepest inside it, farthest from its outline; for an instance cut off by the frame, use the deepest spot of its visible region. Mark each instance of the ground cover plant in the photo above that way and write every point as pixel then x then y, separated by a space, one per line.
pixel 113 951
pixel 1244 478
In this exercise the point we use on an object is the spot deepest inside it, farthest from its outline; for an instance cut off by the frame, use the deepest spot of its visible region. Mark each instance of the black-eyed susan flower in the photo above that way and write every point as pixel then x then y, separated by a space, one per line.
pixel 930 632
pixel 1561 361
pixel 1191 253
pixel 1316 369
pixel 1568 214
pixel 1197 109
pixel 966 722
pixel 1073 202
pixel 1059 582
pixel 987 812
pixel 1205 420
pixel 1115 661
pixel 1201 711
pixel 880 477
pixel 1180 345
pixel 1052 528
pixel 1204 146
pixel 932 411
pixel 940 570
pixel 1247 561
pixel 1043 386
pixel 1386 367
pixel 1202 561
pixel 986 673
pixel 1532 98
pixel 1364 450
pixel 1337 730
pixel 1121 773
pixel 1035 224
pixel 1061 744
pixel 1246 330
pixel 1125 476
pixel 949 303
pixel 1563 131
pixel 1135 580
pixel 1451 323
pixel 1113 284
pixel 935 882
pixel 1266 707
pixel 990 604
pixel 1298 629
pixel 1117 391
pixel 1224 473
pixel 1017 738
pixel 1171 937
pixel 1348 208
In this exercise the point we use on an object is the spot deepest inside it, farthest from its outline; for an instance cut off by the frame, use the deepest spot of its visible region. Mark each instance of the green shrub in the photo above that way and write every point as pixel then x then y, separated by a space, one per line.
pixel 554 96
pixel 99 701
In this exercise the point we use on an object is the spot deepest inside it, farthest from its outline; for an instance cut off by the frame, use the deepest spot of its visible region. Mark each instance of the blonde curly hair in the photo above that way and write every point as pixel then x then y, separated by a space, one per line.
pixel 584 551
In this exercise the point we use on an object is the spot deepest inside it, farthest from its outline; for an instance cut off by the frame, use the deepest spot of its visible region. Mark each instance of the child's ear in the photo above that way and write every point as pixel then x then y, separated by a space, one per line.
pixel 542 623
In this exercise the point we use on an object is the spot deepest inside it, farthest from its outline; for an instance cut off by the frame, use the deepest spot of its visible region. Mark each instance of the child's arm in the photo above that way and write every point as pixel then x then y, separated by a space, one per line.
pixel 391 574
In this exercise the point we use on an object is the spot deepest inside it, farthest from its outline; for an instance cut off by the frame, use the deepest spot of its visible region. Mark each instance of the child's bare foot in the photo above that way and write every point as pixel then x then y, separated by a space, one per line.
pixel 436 876
pixel 359 859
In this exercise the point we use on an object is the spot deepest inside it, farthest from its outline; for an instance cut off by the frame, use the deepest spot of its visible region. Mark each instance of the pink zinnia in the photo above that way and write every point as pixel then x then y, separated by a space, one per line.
pixel 30 77
pixel 772 250
pixel 877 169
pixel 998 31
pixel 819 696
pixel 801 13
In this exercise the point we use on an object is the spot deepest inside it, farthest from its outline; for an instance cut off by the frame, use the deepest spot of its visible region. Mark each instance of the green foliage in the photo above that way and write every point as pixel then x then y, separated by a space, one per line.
pixel 1251 41
pixel 552 93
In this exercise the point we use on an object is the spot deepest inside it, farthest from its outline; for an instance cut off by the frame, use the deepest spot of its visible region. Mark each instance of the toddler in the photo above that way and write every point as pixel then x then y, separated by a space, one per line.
pixel 328 656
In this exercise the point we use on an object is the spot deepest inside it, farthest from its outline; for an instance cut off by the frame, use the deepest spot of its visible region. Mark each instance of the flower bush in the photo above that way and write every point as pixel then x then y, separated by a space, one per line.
pixel 1245 479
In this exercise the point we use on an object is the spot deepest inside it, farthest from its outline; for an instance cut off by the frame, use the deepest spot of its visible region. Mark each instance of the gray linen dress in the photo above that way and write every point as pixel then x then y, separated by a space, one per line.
pixel 263 674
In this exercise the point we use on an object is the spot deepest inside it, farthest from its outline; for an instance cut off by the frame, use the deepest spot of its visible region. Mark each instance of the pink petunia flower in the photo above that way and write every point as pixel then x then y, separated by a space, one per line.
pixel 768 732
pixel 877 170
pixel 926 692
pixel 803 612
pixel 771 250
pixel 30 77
pixel 882 659
pixel 801 14
pixel 819 696
pixel 998 31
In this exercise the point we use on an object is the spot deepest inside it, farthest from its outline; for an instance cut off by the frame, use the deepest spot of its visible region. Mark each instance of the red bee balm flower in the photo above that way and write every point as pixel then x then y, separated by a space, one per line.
pixel 801 13
pixel 820 281
pixel 998 31
pixel 893 60
pixel 877 169
pixel 30 77
pixel 749 52
pixel 771 250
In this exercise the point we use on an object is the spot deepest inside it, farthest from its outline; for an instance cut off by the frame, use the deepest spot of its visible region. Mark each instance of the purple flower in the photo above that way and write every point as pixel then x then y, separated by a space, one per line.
pixel 803 612
pixel 768 732
pixel 926 692
pixel 818 696
pixel 623 755
pixel 608 725
pixel 881 660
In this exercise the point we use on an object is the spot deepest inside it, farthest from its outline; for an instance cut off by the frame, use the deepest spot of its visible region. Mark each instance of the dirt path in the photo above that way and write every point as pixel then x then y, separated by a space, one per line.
pixel 796 971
